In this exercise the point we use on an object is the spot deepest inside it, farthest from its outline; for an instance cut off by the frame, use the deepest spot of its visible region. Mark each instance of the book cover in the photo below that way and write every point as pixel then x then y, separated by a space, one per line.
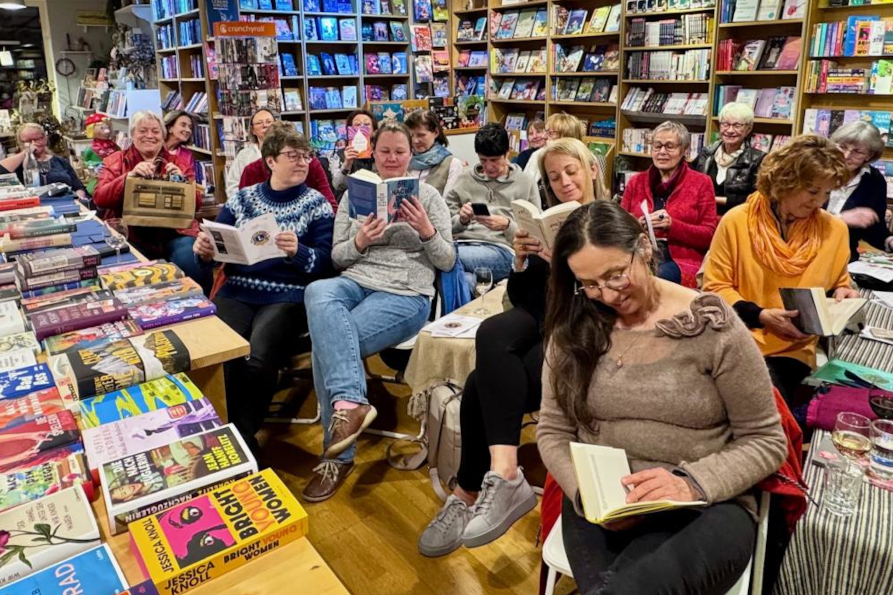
pixel 43 291
pixel 33 305
pixel 160 393
pixel 171 311
pixel 507 25
pixel 136 485
pixel 92 337
pixel 141 276
pixel 26 485
pixel 53 279
pixel 27 441
pixel 524 27
pixel 39 404
pixel 221 534
pixel 17 358
pixel 46 531
pixel 7 244
pixel 146 431
pixel 25 341
pixel 11 320
pixel 94 571
pixel 438 35
pixel 576 19
pixel 348 29
pixel 421 38
pixel 37 228
pixel 179 288
pixel 47 262
pixel 370 195
pixel 24 381
pixel 845 373
pixel 78 316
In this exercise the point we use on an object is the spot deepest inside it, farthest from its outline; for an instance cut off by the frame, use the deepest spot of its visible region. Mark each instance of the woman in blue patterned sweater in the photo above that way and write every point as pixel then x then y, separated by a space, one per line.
pixel 265 302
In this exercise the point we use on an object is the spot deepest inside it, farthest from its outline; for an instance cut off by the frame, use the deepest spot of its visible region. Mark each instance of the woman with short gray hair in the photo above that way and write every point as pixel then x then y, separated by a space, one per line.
pixel 32 137
pixel 731 162
pixel 861 202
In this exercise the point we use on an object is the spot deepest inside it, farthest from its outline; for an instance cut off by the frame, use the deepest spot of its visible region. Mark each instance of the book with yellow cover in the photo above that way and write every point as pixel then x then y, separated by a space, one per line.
pixel 149 274
pixel 197 541
pixel 599 470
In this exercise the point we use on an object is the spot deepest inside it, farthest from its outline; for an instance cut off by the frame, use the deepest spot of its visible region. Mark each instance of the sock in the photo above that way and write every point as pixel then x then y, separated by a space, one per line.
pixel 345 405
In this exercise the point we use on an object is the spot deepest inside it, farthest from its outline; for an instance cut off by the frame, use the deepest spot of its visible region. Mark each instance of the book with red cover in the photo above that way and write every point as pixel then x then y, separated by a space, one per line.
pixel 65 468
pixel 92 336
pixel 15 412
pixel 53 261
pixel 9 204
pixel 76 317
pixel 57 278
pixel 22 444
pixel 789 58
pixel 166 312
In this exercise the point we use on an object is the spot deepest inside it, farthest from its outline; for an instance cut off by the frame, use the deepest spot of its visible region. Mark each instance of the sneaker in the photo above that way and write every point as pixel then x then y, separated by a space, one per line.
pixel 328 477
pixel 444 534
pixel 499 504
pixel 346 427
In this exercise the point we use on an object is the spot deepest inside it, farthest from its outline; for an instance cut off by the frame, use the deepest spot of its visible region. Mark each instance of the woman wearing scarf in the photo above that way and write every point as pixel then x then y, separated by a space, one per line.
pixel 432 162
pixel 731 162
pixel 783 238
pixel 680 203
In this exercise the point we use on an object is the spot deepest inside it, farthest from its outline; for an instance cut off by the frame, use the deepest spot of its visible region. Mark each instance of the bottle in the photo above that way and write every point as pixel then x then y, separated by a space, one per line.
pixel 30 170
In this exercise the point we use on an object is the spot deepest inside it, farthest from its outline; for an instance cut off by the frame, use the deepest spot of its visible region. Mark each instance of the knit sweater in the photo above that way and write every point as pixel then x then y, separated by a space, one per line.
pixel 299 209
pixel 399 262
pixel 693 395
pixel 473 186
pixel 733 271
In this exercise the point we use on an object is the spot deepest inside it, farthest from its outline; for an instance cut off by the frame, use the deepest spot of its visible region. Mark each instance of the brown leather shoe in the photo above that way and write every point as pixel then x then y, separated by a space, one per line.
pixel 346 426
pixel 328 477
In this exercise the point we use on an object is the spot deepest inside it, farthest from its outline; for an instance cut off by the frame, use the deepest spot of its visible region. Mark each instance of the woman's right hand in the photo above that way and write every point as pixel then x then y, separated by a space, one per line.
pixel 143 169
pixel 778 322
pixel 860 217
pixel 525 246
pixel 350 155
pixel 371 231
pixel 203 247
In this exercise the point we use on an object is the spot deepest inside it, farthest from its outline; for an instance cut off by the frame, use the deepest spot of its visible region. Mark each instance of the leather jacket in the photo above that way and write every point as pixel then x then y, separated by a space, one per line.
pixel 741 177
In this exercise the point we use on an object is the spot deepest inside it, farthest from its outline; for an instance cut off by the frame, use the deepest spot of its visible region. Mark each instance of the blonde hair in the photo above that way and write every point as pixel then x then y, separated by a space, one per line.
pixel 575 149
pixel 736 111
pixel 24 128
pixel 806 158
pixel 566 125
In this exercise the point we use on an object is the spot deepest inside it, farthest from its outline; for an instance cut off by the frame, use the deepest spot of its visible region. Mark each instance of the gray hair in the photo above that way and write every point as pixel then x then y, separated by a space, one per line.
pixel 737 111
pixel 137 119
pixel 861 133
pixel 678 129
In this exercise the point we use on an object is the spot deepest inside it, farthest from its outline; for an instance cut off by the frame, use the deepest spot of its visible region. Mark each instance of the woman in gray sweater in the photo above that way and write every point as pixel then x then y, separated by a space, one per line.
pixel 382 298
pixel 674 378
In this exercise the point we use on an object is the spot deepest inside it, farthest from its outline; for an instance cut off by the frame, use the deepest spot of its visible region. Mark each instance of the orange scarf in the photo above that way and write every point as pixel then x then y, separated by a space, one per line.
pixel 786 258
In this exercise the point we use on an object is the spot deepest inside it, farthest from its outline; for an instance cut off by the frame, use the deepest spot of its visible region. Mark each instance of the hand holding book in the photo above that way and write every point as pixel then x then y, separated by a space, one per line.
pixel 526 245
pixel 287 241
pixel 658 483
pixel 415 214
pixel 370 232
pixel 778 322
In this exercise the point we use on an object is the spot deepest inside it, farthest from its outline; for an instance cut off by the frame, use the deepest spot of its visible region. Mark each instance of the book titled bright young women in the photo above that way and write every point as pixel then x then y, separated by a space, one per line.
pixel 368 194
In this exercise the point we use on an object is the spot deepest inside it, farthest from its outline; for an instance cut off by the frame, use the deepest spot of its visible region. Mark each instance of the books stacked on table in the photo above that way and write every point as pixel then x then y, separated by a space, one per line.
pixel 13 195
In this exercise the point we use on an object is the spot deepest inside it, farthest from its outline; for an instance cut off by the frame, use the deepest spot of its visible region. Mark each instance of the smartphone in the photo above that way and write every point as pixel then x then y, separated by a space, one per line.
pixel 480 209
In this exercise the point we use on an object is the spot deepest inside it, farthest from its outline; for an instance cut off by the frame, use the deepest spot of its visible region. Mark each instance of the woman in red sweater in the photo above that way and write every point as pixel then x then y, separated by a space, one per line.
pixel 680 201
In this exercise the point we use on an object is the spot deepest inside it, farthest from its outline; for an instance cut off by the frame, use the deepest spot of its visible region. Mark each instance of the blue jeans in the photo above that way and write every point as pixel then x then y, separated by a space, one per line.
pixel 495 257
pixel 669 271
pixel 179 252
pixel 347 324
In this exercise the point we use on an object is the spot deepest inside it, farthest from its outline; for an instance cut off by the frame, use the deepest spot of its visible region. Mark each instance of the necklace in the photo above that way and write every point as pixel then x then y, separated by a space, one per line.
pixel 627 350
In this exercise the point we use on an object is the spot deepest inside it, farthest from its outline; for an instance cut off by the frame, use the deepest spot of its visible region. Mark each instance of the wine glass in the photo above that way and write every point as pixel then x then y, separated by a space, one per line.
pixel 116 236
pixel 483 281
pixel 852 435
pixel 881 403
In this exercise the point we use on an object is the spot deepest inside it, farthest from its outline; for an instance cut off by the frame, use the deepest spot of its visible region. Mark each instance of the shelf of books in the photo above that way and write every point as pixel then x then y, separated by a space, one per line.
pixel 849 72
pixel 430 37
pixel 385 61
pixel 758 62
pixel 469 32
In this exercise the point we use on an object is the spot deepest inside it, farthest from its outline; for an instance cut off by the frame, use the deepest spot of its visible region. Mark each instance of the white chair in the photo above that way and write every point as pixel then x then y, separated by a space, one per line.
pixel 750 582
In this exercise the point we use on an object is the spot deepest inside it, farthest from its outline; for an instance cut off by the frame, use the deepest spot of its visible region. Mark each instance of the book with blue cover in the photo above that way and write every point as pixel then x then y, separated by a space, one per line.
pixel 24 381
pixel 95 572
pixel 369 195
pixel 289 68
pixel 161 393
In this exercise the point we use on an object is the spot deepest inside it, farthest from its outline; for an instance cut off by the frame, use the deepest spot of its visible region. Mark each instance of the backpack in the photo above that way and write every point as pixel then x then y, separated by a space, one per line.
pixel 437 409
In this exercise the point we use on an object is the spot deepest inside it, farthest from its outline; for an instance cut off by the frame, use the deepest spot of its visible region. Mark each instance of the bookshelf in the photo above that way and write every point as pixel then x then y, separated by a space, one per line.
pixel 386 58
pixel 469 34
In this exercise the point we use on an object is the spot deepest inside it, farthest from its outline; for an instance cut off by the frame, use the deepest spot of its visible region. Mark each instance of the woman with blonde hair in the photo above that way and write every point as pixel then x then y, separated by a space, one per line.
pixel 32 137
pixel 783 238
pixel 558 126
pixel 570 154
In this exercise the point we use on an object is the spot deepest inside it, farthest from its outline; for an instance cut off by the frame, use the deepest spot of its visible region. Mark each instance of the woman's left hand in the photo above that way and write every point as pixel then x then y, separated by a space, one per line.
pixel 661 220
pixel 414 214
pixel 287 241
pixel 860 217
pixel 845 293
pixel 657 484
pixel 173 169
pixel 494 222
pixel 80 194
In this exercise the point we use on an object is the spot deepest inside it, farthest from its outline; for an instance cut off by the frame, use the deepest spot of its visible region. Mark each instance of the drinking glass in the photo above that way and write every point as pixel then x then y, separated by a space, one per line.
pixel 880 463
pixel 116 236
pixel 843 484
pixel 483 281
pixel 881 403
pixel 851 435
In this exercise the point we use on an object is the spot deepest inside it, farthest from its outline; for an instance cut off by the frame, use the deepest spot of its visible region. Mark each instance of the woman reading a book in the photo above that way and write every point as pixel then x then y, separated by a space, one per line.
pixel 862 201
pixel 32 137
pixel 264 302
pixel 506 382
pixel 382 298
pixel 178 128
pixel 348 160
pixel 783 238
pixel 679 202
pixel 147 158
pixel 731 162
pixel 673 378
pixel 432 162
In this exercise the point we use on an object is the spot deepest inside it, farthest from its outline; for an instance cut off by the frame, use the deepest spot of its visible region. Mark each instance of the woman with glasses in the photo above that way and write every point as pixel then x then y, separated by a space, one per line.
pixel 680 204
pixel 432 162
pixel 731 162
pixel 32 137
pixel 783 238
pixel 557 126
pixel 492 492
pixel 862 201
pixel 264 302
pixel 671 376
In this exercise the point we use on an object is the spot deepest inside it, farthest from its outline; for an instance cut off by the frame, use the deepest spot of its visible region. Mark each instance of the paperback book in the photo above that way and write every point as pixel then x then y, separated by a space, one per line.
pixel 817 313
pixel 180 288
pixel 17 358
pixel 92 337
pixel 30 440
pixel 59 278
pixel 40 480
pixel 252 242
pixel 94 571
pixel 26 341
pixel 141 276
pixel 147 397
pixel 370 195
pixel 47 262
pixel 75 317
pixel 32 305
pixel 37 405
pixel 171 311
pixel 542 226
pixel 18 383
pixel 36 228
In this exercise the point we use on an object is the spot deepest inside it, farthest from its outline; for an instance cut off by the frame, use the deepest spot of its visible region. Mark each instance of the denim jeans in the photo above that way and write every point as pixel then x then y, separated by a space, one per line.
pixel 347 324
pixel 179 252
pixel 669 271
pixel 495 257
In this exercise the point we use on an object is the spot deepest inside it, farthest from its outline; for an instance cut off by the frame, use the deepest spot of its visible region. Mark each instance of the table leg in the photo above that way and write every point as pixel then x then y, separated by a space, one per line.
pixel 210 381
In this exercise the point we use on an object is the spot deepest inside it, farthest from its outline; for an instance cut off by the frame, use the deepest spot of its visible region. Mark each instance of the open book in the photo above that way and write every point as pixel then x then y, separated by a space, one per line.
pixel 368 193
pixel 819 314
pixel 542 226
pixel 253 242
pixel 599 470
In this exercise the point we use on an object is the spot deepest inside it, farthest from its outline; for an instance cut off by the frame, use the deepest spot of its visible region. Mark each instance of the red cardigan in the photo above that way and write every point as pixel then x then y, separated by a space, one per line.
pixel 257 172
pixel 692 210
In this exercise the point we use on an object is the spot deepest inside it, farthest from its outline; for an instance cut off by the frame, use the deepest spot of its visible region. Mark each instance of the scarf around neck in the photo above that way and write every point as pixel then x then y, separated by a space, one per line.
pixel 724 160
pixel 787 258
pixel 104 147
pixel 430 158
pixel 661 189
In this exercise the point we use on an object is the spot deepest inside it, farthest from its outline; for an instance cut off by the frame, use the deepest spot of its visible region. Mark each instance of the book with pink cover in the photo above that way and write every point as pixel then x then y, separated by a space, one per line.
pixel 15 412
pixel 26 442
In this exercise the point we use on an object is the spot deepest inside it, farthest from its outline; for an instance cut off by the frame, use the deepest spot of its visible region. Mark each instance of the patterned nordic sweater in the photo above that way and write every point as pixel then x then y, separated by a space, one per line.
pixel 300 209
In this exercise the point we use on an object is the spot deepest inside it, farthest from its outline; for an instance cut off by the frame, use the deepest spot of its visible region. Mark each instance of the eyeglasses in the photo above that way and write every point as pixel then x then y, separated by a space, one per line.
pixel 733 125
pixel 294 156
pixel 669 147
pixel 262 123
pixel 553 134
pixel 851 149
pixel 617 282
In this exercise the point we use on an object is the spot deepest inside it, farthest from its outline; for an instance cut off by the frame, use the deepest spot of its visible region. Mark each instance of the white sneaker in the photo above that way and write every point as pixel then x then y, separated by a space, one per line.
pixel 444 534
pixel 499 504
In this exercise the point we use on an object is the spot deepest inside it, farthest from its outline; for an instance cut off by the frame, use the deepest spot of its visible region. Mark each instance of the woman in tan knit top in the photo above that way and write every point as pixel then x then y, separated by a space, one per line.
pixel 675 379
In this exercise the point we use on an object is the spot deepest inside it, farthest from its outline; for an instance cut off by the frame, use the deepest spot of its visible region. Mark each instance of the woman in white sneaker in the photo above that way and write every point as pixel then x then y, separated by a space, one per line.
pixel 492 493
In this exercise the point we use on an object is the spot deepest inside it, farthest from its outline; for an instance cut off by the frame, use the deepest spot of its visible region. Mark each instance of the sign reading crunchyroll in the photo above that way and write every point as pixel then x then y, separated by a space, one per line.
pixel 244 29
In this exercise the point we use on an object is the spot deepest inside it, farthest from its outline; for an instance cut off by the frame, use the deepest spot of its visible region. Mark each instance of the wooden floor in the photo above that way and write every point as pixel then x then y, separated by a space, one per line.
pixel 368 532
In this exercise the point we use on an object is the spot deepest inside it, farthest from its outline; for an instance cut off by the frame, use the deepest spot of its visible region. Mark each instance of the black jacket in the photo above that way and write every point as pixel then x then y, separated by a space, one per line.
pixel 527 289
pixel 870 193
pixel 741 177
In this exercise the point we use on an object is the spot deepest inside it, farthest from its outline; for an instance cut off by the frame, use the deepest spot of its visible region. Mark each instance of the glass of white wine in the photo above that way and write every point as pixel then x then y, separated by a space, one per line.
pixel 483 281
pixel 116 236
pixel 852 435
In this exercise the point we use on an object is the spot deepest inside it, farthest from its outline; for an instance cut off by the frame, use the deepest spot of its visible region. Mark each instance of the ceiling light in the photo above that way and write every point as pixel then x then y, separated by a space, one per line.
pixel 12 4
